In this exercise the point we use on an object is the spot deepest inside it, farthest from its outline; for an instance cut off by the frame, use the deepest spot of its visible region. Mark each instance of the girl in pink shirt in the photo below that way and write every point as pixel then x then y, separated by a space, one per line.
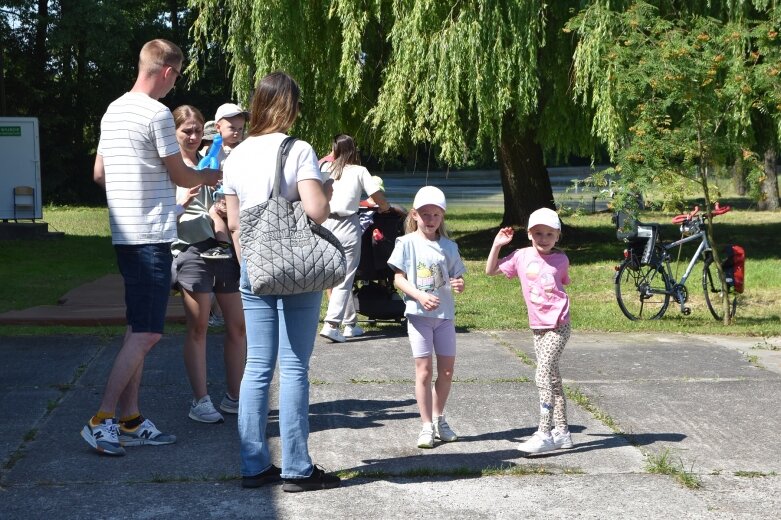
pixel 543 271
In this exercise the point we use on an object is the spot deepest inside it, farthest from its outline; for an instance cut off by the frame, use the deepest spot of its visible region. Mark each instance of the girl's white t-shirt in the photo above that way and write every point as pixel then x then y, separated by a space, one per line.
pixel 428 265
pixel 354 181
pixel 250 169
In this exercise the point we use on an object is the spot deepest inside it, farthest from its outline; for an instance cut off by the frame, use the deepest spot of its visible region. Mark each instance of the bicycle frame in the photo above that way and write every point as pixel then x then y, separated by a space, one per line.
pixel 704 246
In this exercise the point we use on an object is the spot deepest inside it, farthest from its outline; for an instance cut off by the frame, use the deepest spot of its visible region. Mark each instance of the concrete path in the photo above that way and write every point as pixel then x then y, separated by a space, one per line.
pixel 704 402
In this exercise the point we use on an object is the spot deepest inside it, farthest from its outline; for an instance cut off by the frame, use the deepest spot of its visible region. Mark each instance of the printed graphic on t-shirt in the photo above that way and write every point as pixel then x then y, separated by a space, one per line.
pixel 541 285
pixel 429 277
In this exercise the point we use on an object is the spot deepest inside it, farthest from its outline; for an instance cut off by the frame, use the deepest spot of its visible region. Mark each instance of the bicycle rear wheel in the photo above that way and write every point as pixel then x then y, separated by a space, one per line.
pixel 715 293
pixel 641 291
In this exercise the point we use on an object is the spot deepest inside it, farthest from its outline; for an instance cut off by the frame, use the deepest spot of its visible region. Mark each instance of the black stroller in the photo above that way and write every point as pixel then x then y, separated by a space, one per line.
pixel 374 295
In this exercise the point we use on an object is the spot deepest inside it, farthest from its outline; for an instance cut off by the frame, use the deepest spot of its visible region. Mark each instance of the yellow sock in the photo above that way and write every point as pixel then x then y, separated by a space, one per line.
pixel 100 416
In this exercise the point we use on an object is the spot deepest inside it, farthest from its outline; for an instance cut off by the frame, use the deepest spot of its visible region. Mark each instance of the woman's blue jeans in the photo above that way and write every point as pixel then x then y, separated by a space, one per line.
pixel 284 328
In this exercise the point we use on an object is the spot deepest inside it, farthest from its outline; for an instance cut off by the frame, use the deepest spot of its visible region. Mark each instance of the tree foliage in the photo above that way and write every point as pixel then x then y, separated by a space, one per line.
pixel 65 61
pixel 471 79
pixel 673 95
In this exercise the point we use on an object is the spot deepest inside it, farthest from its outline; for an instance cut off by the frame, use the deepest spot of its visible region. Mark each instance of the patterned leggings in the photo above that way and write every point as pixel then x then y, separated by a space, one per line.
pixel 548 346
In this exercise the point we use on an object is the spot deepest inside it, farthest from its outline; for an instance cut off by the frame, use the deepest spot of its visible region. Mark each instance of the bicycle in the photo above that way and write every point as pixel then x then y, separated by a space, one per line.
pixel 644 281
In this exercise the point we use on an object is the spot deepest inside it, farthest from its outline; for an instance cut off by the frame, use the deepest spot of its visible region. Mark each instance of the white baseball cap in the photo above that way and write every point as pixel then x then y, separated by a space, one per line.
pixel 546 217
pixel 229 110
pixel 429 195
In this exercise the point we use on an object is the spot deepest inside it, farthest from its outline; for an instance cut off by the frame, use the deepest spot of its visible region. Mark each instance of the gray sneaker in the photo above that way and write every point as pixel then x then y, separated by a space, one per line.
pixel 203 411
pixel 229 405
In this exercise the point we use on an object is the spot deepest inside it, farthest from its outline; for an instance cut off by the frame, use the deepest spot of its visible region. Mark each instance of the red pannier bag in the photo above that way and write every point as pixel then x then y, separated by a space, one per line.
pixel 734 266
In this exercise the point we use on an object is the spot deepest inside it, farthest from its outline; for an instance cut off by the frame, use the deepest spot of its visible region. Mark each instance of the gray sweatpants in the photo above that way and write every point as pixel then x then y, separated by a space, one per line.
pixel 341 308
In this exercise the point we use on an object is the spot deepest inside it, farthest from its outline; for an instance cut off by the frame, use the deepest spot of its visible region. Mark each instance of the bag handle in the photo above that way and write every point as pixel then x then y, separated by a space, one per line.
pixel 284 151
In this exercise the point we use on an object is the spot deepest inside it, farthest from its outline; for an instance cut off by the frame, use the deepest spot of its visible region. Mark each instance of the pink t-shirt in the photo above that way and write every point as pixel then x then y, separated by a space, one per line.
pixel 543 278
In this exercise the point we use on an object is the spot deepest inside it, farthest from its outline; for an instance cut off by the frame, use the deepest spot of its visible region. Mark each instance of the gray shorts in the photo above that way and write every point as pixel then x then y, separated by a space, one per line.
pixel 194 274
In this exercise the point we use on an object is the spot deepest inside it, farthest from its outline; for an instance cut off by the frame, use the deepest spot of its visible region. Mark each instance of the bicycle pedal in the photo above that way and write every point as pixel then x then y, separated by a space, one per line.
pixel 686 311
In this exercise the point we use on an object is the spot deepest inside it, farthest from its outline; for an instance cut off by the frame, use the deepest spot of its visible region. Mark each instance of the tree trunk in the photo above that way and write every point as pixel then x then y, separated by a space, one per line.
pixel 173 9
pixel 768 200
pixel 39 50
pixel 739 176
pixel 525 180
pixel 3 105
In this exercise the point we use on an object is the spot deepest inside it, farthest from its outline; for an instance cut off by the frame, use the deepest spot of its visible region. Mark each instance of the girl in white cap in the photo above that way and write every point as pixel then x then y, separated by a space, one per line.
pixel 543 271
pixel 428 268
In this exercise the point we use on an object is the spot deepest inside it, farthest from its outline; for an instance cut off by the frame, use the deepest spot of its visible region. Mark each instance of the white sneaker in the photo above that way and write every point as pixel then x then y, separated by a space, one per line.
pixel 352 331
pixel 104 437
pixel 442 430
pixel 332 333
pixel 426 436
pixel 538 443
pixel 562 440
pixel 216 321
pixel 203 411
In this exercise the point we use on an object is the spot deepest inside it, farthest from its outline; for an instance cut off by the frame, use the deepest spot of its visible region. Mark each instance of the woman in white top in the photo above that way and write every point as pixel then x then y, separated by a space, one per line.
pixel 351 180
pixel 278 327
pixel 199 278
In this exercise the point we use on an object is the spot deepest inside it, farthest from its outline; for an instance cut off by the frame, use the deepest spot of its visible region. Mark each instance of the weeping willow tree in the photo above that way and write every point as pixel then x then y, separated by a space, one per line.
pixel 472 78
pixel 673 94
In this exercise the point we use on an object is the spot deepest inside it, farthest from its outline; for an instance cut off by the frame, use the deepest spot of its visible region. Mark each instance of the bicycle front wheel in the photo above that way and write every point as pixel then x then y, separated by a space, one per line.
pixel 641 291
pixel 715 293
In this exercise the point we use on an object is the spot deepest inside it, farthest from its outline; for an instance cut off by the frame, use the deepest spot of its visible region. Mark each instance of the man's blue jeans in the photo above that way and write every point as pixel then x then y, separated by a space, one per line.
pixel 282 327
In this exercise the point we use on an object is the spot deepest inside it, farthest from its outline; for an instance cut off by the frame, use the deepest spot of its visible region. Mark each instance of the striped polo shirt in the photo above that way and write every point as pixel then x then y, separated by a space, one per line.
pixel 135 133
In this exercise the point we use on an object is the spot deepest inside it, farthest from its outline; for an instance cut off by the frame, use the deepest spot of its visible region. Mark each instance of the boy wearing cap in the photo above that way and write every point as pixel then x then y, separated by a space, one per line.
pixel 543 271
pixel 229 122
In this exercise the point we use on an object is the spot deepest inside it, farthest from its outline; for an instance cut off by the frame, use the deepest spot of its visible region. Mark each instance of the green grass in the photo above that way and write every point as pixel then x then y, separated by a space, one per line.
pixel 662 464
pixel 40 272
pixel 594 253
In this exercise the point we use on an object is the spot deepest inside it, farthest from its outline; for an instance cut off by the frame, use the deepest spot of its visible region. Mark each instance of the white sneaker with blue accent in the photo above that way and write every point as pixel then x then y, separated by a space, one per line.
pixel 104 437
pixel 145 433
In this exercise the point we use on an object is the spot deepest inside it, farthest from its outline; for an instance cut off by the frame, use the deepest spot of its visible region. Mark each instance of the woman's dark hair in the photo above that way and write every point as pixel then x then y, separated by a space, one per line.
pixel 345 152
pixel 274 105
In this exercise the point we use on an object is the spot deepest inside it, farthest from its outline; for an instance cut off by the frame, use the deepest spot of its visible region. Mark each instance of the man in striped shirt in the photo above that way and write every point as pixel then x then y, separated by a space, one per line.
pixel 139 163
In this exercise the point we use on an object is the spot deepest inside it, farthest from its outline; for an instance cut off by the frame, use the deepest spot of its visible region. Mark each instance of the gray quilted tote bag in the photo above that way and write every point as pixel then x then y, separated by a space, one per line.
pixel 286 252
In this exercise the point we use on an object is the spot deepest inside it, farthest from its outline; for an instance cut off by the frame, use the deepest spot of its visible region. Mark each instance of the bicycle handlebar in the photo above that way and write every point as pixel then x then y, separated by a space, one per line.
pixel 717 210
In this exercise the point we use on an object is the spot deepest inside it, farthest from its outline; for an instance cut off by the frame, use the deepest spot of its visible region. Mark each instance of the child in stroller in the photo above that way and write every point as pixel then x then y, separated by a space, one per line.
pixel 373 290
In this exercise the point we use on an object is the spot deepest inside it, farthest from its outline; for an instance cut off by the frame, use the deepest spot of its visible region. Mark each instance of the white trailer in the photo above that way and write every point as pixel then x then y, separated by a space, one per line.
pixel 20 166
